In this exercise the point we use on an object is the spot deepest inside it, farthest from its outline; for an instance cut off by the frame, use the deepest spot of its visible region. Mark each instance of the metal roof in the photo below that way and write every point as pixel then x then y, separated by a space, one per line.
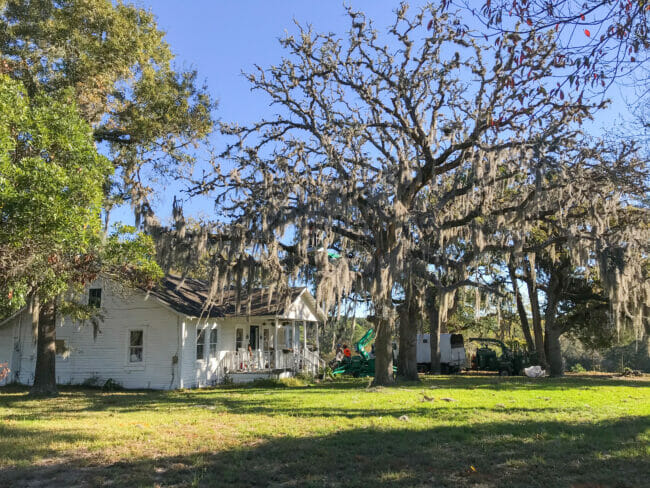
pixel 189 296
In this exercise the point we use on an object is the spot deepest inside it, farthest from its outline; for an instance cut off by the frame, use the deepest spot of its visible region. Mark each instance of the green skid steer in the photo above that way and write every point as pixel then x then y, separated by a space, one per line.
pixel 362 364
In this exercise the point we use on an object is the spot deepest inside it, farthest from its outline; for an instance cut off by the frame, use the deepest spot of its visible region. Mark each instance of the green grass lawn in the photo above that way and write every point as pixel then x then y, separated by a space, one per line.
pixel 574 432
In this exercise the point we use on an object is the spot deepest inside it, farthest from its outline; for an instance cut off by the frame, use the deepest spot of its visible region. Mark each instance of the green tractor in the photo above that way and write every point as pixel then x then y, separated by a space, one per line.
pixel 362 364
pixel 508 362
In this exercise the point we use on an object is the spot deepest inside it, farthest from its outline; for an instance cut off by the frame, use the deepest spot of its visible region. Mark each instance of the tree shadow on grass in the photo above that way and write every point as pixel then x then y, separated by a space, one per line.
pixel 498 454
pixel 263 402
pixel 246 398
pixel 20 444
pixel 434 409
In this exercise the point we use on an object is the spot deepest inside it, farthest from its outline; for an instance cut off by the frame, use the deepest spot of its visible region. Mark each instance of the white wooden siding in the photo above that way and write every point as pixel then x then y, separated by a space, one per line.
pixel 105 356
pixel 301 309
pixel 169 343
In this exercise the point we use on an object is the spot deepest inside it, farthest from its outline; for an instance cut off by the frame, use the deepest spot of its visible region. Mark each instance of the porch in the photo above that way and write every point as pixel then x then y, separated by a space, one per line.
pixel 298 360
pixel 242 349
pixel 273 346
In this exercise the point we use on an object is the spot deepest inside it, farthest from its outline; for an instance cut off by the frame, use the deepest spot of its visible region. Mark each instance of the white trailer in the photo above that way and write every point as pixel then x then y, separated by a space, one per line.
pixel 452 353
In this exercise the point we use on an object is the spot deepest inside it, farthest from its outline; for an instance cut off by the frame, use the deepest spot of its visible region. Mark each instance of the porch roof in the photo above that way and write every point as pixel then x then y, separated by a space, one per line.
pixel 188 296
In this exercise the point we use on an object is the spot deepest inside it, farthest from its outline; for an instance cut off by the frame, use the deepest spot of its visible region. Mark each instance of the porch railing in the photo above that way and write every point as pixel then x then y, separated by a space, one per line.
pixel 242 361
pixel 312 361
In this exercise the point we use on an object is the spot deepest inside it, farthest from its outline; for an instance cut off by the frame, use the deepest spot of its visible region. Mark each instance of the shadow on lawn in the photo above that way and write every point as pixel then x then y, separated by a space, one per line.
pixel 434 409
pixel 506 454
pixel 22 444
pixel 220 397
pixel 265 405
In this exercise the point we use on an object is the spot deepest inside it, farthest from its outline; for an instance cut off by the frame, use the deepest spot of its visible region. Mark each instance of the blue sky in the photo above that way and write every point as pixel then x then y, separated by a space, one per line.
pixel 222 38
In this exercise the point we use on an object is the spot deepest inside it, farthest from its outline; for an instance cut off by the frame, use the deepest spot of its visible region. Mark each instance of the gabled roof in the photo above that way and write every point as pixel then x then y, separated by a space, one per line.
pixel 188 296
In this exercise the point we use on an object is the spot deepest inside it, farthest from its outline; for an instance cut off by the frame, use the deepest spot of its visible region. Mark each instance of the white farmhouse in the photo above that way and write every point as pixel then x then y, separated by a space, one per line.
pixel 165 339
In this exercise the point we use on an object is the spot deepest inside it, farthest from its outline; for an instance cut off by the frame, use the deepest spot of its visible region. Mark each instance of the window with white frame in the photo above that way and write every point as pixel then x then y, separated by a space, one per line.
pixel 136 346
pixel 200 343
pixel 213 343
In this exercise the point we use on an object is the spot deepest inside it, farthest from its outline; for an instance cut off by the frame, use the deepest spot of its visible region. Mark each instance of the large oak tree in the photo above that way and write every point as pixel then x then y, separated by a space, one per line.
pixel 393 150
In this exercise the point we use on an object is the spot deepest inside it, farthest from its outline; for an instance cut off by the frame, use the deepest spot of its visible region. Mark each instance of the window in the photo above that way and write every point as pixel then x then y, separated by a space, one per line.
pixel 213 343
pixel 95 297
pixel 136 346
pixel 239 339
pixel 200 343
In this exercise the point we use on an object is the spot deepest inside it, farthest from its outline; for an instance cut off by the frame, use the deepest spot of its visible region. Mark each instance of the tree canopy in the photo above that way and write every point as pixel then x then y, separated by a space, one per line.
pixel 117 64
pixel 600 42
pixel 412 155
pixel 112 66
pixel 51 193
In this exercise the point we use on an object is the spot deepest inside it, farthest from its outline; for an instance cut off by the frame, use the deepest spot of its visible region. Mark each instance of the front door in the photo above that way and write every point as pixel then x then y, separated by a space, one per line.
pixel 254 337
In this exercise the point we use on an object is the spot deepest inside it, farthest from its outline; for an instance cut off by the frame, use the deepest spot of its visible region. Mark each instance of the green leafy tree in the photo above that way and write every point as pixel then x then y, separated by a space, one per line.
pixel 52 183
pixel 112 63
pixel 51 190
pixel 116 62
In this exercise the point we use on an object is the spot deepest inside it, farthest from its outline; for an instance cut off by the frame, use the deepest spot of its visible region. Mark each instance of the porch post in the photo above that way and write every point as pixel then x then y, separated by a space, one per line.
pixel 275 344
pixel 304 342
pixel 317 345
pixel 293 345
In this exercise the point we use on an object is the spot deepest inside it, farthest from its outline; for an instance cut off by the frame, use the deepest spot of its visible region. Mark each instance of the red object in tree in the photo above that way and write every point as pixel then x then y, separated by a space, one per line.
pixel 430 24
pixel 587 33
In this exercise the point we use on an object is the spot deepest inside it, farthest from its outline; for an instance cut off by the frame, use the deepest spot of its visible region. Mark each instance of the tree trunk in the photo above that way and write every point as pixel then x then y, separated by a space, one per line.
pixel 537 316
pixel 553 332
pixel 434 330
pixel 554 352
pixel 385 324
pixel 45 372
pixel 521 309
pixel 353 327
pixel 402 314
pixel 407 365
pixel 646 327
pixel 385 318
